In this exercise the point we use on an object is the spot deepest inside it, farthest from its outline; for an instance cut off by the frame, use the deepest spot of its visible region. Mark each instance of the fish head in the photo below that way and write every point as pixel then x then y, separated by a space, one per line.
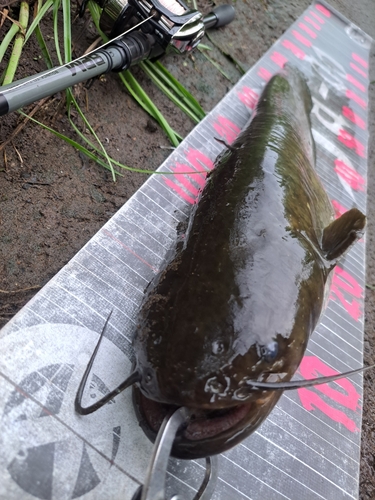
pixel 199 348
pixel 223 408
pixel 211 375
pixel 210 370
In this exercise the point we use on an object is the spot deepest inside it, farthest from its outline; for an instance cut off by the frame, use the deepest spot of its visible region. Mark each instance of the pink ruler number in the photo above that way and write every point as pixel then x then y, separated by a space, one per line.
pixel 312 367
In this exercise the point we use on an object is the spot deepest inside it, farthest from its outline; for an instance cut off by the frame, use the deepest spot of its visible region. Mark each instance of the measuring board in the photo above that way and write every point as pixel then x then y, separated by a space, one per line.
pixel 309 446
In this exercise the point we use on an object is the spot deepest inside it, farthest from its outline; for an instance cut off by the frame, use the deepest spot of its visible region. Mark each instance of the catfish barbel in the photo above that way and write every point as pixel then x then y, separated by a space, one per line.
pixel 225 324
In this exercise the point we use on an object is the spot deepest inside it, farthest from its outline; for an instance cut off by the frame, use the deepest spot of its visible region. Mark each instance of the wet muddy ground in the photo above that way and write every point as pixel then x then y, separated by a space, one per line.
pixel 53 199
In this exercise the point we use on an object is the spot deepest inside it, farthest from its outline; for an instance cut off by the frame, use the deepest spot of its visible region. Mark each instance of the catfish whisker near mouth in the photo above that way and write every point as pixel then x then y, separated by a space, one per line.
pixel 298 384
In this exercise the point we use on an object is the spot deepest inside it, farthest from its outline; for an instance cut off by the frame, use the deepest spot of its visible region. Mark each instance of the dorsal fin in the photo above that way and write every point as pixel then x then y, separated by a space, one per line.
pixel 342 233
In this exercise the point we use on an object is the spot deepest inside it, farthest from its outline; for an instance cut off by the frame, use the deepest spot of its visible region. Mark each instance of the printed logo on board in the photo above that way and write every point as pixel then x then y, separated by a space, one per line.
pixel 39 469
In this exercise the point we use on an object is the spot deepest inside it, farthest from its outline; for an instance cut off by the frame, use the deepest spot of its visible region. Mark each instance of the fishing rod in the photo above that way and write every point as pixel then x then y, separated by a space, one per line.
pixel 137 29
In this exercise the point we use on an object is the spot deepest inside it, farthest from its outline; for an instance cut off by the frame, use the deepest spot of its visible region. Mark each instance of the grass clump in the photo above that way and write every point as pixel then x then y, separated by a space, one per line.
pixel 20 32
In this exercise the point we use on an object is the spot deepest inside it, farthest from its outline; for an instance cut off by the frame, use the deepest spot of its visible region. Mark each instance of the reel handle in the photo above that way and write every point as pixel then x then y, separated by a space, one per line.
pixel 220 16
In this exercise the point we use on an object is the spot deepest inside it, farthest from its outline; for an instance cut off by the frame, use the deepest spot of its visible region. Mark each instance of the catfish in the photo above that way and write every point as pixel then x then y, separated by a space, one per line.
pixel 224 325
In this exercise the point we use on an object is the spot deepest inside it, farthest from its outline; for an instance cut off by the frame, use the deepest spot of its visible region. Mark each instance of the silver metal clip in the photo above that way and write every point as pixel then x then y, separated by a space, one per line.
pixel 154 487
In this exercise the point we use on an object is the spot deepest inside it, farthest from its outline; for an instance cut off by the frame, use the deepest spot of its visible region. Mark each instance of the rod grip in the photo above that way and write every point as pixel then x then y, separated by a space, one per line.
pixel 135 47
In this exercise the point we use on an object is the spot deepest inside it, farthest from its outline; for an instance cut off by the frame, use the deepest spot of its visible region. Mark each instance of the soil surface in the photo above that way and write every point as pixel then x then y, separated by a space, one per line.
pixel 53 199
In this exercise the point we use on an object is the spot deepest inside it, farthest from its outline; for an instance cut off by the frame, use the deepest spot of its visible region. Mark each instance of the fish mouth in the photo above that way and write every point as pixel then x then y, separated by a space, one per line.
pixel 208 432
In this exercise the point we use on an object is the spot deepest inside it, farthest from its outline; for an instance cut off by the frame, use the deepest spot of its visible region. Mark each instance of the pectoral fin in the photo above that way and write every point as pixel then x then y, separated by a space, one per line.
pixel 342 233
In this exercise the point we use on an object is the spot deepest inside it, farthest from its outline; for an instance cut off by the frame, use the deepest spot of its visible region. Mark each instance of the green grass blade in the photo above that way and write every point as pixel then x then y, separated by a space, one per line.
pixel 40 39
pixel 18 44
pixel 56 5
pixel 38 18
pixel 174 98
pixel 177 87
pixel 203 46
pixel 143 99
pixel 13 30
pixel 134 88
pixel 242 70
pixel 217 66
pixel 102 152
pixel 91 130
pixel 95 12
pixel 67 31
pixel 172 86
pixel 98 160
pixel 69 141
pixel 43 47
pixel 177 99
pixel 69 95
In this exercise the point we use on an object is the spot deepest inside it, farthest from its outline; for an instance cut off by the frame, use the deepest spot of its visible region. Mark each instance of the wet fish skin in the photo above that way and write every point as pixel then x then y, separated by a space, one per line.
pixel 246 287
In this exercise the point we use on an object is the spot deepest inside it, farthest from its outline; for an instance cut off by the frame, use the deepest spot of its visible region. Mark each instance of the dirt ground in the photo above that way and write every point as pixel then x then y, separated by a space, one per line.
pixel 53 199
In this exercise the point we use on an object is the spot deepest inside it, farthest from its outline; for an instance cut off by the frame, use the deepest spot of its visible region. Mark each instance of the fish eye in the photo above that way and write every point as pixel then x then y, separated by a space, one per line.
pixel 268 352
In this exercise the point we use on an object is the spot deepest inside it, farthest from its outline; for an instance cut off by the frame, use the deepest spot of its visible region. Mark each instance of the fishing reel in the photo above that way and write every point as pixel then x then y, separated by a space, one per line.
pixel 138 30
pixel 173 25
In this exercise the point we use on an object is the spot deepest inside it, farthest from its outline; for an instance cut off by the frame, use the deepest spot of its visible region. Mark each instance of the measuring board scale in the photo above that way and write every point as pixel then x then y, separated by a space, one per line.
pixel 309 446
